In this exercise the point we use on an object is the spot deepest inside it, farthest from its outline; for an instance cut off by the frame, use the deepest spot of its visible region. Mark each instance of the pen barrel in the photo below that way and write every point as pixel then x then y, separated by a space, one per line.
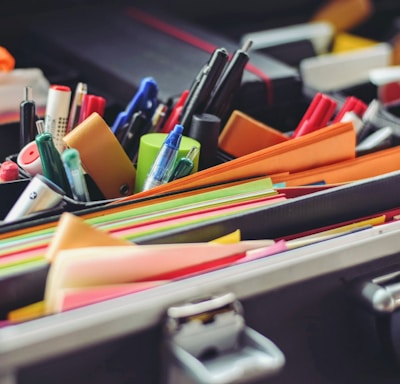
pixel 228 85
pixel 182 169
pixel 57 110
pixel 52 165
pixel 27 122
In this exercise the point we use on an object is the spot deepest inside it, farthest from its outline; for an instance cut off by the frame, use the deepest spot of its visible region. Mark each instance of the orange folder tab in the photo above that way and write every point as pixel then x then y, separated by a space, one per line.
pixel 327 145
pixel 373 164
pixel 243 135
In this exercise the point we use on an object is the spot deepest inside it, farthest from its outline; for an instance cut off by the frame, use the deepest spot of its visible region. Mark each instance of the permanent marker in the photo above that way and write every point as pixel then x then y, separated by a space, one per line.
pixel 163 165
pixel 57 110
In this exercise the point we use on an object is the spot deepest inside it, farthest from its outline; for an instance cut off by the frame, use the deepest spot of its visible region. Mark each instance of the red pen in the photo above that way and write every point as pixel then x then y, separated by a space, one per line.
pixel 174 116
pixel 351 104
pixel 91 104
pixel 317 115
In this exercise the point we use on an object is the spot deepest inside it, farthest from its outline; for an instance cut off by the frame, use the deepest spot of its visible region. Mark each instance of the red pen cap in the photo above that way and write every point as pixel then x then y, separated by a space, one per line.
pixel 351 104
pixel 317 115
pixel 90 104
pixel 173 118
pixel 9 171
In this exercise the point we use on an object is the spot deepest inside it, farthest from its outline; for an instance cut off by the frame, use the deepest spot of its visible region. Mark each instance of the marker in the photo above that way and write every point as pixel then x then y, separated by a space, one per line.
pixel 73 119
pixel 27 118
pixel 57 110
pixel 185 165
pixel 40 194
pixel 163 165
pixel 53 168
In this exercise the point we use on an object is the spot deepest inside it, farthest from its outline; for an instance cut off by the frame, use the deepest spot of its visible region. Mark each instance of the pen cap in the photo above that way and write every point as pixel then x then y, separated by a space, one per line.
pixel 9 171
pixel 102 157
pixel 29 159
pixel 40 194
pixel 150 145
pixel 205 129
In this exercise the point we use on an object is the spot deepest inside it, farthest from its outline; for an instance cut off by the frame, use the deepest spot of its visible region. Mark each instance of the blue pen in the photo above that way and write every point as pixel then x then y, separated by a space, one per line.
pixel 163 165
pixel 145 100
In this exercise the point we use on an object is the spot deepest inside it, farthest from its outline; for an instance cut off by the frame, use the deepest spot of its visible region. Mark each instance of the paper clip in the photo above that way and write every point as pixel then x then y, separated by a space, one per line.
pixel 317 116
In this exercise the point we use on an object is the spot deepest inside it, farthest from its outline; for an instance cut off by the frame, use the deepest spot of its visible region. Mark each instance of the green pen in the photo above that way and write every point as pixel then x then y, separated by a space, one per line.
pixel 52 165
pixel 73 168
pixel 185 165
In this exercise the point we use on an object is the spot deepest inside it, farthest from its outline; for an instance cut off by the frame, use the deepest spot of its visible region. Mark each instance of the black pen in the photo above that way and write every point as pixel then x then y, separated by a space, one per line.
pixel 202 87
pixel 229 83
pixel 138 126
pixel 27 118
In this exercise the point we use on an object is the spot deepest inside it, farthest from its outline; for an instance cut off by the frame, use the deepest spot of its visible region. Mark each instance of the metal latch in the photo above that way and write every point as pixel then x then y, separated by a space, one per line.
pixel 378 315
pixel 207 341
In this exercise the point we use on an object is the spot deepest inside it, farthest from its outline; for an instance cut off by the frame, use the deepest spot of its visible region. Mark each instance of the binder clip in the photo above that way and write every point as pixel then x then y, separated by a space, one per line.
pixel 207 341
pixel 379 316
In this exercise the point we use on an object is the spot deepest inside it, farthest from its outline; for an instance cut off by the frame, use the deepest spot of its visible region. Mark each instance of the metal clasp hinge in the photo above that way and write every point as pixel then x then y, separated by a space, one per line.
pixel 207 341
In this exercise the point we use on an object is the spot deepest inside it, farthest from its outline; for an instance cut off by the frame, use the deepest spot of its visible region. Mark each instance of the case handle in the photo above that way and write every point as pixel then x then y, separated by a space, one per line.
pixel 208 342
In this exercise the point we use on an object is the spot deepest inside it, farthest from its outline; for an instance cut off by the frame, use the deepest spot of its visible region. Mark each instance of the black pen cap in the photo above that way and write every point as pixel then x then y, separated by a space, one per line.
pixel 205 129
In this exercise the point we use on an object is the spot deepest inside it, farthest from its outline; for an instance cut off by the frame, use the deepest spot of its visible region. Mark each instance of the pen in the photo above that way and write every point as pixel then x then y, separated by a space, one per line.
pixel 228 83
pixel 27 118
pixel 200 91
pixel 145 99
pixel 162 167
pixel 80 92
pixel 351 104
pixel 185 165
pixel 173 117
pixel 52 165
pixel 91 104
pixel 158 118
pixel 73 168
pixel 317 115
pixel 369 126
pixel 57 110
pixel 137 127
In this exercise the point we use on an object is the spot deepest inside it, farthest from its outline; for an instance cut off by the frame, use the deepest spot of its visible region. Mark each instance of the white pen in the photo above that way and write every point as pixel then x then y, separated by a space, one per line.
pixel 57 111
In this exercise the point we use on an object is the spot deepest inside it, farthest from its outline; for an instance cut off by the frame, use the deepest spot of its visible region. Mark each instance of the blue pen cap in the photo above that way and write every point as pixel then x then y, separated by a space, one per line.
pixel 174 138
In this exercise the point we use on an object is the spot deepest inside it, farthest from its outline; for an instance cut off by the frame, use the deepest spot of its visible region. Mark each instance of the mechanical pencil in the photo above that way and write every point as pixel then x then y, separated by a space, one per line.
pixel 163 165
pixel 185 165
pixel 73 168
pixel 27 118
pixel 52 165
pixel 73 119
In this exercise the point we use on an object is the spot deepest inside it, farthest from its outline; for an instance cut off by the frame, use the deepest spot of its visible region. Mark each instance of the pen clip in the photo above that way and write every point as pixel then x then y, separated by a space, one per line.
pixel 145 100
